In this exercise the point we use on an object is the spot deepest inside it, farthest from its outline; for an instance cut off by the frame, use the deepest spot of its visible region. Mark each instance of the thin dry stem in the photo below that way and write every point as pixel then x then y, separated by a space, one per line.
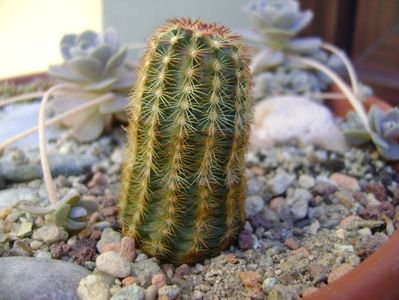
pixel 349 67
pixel 57 119
pixel 356 104
pixel 21 98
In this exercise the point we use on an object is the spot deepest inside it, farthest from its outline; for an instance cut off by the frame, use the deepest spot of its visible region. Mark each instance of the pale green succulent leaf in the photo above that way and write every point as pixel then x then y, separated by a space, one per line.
pixel 111 39
pixel 66 43
pixel 379 141
pixel 61 214
pixel 125 81
pixel 392 133
pixel 115 62
pixel 90 128
pixel 89 206
pixel 374 119
pixel 63 73
pixel 117 105
pixel 102 86
pixel 87 66
pixel 302 22
pixel 102 53
pixel 391 152
pixel 87 37
pixel 391 116
pixel 39 211
pixel 304 45
pixel 356 137
pixel 265 59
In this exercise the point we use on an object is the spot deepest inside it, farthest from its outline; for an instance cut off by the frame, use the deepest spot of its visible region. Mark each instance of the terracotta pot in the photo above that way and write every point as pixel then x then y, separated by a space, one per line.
pixel 378 276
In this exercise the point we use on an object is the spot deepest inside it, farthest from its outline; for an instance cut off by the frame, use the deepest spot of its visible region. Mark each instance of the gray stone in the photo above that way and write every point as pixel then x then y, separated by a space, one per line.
pixel 171 291
pixel 50 233
pixel 114 264
pixel 28 278
pixel 144 270
pixel 21 248
pixel 253 205
pixel 129 293
pixel 93 287
pixel 306 181
pixel 11 197
pixel 61 164
pixel 298 203
pixel 281 182
pixel 268 284
pixel 107 237
pixel 151 293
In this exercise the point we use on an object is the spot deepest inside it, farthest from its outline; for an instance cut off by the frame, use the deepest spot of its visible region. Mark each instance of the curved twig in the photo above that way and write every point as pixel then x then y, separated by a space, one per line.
pixel 356 104
pixel 21 98
pixel 349 66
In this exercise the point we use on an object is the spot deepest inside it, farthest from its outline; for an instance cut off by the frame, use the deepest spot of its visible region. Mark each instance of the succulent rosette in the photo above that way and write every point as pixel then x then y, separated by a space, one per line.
pixel 97 65
pixel 384 131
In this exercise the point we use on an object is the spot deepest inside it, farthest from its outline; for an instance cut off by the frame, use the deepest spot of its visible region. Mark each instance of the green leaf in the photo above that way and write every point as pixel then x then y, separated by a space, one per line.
pixel 102 53
pixel 356 137
pixel 61 215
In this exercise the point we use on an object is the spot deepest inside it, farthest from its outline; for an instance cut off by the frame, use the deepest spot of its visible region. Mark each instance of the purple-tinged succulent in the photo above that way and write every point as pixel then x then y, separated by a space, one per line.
pixel 384 131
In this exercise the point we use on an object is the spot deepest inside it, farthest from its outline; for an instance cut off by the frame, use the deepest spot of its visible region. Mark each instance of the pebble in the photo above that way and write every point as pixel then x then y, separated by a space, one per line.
pixel 306 181
pixel 93 287
pixel 268 284
pixel 130 280
pixel 50 233
pixel 130 292
pixel 25 229
pixel 345 181
pixel 249 279
pixel 108 236
pixel 35 244
pixel 281 182
pixel 340 233
pixel 339 272
pixel 183 270
pixel 114 264
pixel 298 202
pixel 170 291
pixel 158 280
pixel 151 293
pixel 145 270
pixel 254 205
pixel 127 248
pixel 12 196
pixel 324 187
pixel 345 198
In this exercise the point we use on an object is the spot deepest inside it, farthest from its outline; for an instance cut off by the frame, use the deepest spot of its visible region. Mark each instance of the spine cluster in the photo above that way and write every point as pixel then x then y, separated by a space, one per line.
pixel 183 185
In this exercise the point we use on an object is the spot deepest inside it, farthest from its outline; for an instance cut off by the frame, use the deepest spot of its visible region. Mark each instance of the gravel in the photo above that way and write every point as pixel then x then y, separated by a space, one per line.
pixel 311 215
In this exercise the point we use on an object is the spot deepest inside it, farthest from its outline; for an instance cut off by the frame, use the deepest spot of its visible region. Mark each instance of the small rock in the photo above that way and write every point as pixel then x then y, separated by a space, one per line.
pixel 130 292
pixel 25 229
pixel 42 254
pixel 50 234
pixel 291 244
pixel 108 236
pixel 345 198
pixel 92 287
pixel 85 233
pixel 116 247
pixel 377 189
pixel 306 181
pixel 377 211
pixel 4 212
pixel 340 233
pixel 114 289
pixel 339 272
pixel 127 248
pixel 231 258
pixel 182 270
pixel 298 202
pixel 83 251
pixel 253 205
pixel 281 182
pixel 324 187
pixel 350 221
pixel 13 196
pixel 249 279
pixel 151 293
pixel 245 240
pixel 21 248
pixel 171 291
pixel 114 264
pixel 197 295
pixel 109 211
pixel 95 235
pixel 158 280
pixel 98 179
pixel 300 252
pixel 369 244
pixel 365 231
pixel 60 249
pixel 282 292
pixel 268 284
pixel 318 273
pixel 345 181
pixel 146 269
pixel 34 245
pixel 130 280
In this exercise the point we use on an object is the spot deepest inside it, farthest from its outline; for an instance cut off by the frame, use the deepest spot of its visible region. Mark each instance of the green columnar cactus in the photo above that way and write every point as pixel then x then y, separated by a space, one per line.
pixel 183 185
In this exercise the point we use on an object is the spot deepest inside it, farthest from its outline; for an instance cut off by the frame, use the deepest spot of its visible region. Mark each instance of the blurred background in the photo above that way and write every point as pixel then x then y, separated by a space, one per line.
pixel 368 30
